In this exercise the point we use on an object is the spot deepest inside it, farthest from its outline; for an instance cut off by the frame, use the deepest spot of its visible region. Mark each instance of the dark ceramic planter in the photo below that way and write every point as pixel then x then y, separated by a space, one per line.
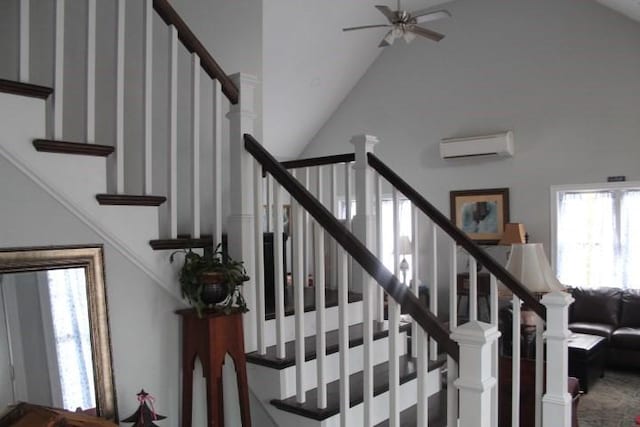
pixel 214 290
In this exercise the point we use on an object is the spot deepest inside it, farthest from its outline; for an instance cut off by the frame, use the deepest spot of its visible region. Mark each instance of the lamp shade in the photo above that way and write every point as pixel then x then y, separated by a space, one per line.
pixel 530 266
pixel 404 245
pixel 513 233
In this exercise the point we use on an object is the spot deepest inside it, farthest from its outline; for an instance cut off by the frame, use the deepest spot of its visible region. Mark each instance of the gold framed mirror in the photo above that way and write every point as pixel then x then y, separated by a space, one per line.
pixel 53 316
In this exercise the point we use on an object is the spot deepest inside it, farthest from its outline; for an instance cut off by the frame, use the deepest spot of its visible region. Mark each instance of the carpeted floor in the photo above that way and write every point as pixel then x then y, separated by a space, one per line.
pixel 614 401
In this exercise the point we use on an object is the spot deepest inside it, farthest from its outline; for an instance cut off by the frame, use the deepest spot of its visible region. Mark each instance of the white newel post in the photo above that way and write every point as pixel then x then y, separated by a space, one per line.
pixel 556 403
pixel 363 227
pixel 240 230
pixel 475 380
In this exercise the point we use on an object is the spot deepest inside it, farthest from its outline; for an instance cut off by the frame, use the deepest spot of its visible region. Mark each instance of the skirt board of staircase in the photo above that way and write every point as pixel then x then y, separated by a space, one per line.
pixel 25 89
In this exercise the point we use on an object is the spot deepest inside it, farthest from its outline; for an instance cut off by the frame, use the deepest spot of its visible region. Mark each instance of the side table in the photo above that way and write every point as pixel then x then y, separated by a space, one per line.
pixel 210 338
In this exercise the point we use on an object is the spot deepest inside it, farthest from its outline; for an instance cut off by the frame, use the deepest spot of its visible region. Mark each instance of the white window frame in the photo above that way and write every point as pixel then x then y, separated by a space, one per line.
pixel 586 188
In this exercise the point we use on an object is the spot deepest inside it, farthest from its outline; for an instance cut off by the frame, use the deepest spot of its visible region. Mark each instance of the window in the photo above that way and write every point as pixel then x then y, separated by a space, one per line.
pixel 404 208
pixel 594 235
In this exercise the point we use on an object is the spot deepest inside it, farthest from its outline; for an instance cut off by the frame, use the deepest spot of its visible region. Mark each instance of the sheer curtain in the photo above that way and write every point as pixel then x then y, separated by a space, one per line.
pixel 70 314
pixel 630 239
pixel 587 239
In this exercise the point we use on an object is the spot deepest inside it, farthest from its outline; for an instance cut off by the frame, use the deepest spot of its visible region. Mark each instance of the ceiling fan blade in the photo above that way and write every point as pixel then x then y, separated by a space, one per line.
pixel 431 35
pixel 387 40
pixel 422 16
pixel 390 14
pixel 362 27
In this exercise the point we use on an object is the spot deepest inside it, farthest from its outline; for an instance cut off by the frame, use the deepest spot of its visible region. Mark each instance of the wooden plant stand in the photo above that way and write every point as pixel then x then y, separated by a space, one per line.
pixel 210 338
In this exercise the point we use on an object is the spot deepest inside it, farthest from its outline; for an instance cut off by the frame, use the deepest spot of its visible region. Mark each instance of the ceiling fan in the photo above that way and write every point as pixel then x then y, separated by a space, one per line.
pixel 405 24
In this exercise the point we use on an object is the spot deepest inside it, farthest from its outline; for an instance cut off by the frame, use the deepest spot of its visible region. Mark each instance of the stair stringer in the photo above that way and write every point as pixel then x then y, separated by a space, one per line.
pixel 74 183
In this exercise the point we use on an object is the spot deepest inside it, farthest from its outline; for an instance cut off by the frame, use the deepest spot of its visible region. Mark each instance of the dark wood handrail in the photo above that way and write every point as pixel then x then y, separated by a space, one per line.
pixel 369 262
pixel 319 161
pixel 193 45
pixel 458 235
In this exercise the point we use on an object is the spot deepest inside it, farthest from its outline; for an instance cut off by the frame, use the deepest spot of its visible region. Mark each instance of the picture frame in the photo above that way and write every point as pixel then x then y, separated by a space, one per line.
pixel 481 214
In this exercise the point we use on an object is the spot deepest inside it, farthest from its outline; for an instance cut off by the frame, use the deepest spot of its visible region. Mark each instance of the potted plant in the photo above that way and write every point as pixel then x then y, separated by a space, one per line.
pixel 210 279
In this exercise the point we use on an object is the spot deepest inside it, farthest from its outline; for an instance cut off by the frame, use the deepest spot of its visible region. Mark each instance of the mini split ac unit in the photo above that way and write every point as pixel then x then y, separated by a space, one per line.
pixel 498 145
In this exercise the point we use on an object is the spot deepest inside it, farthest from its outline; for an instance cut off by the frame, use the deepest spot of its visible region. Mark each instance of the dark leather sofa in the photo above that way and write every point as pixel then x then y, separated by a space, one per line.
pixel 614 314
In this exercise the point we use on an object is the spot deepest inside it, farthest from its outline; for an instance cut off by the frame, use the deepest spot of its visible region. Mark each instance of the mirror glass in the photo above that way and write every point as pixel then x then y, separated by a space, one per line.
pixel 54 338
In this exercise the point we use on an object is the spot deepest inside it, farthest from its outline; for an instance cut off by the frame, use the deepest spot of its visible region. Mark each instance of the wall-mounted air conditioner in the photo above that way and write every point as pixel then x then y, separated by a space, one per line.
pixel 497 145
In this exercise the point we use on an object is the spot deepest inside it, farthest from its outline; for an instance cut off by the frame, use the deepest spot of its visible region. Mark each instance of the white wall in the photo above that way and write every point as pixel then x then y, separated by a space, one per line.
pixel 564 75
pixel 144 330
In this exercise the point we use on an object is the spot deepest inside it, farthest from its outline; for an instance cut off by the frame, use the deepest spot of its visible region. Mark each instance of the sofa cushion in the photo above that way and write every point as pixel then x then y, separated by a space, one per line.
pixel 628 338
pixel 599 329
pixel 601 305
pixel 630 315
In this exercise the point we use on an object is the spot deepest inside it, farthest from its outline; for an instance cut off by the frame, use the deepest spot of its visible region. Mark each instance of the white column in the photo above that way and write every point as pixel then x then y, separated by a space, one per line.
pixel 363 227
pixel 240 231
pixel 556 403
pixel 475 381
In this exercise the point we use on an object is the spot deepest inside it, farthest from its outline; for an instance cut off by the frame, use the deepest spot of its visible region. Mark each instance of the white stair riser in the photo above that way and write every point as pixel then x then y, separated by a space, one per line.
pixel 408 391
pixel 355 316
pixel 263 380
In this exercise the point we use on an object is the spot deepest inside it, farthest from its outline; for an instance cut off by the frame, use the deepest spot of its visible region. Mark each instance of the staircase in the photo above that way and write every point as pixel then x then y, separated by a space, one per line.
pixel 355 348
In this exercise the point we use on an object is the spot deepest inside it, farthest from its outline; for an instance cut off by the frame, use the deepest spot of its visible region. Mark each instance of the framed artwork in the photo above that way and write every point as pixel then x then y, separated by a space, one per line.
pixel 482 214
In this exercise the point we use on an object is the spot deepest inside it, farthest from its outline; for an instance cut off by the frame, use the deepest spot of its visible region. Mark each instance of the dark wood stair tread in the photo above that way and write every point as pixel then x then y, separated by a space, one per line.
pixel 25 89
pixel 331 300
pixel 186 242
pixel 380 385
pixel 437 412
pixel 130 200
pixel 65 147
pixel 332 346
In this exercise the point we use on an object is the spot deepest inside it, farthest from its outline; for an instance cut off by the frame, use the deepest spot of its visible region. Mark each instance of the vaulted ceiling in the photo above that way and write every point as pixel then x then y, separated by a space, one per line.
pixel 310 65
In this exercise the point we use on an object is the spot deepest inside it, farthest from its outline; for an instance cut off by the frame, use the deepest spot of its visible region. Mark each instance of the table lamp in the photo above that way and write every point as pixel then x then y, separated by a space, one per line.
pixel 404 248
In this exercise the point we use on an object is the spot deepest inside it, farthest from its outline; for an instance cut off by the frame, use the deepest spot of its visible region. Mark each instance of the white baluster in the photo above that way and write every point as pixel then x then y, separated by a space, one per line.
pixel 319 282
pixel 148 97
pixel 473 289
pixel 422 347
pixel 195 134
pixel 515 363
pixel 343 313
pixel 269 205
pixel 58 86
pixel 278 269
pixel 475 381
pixel 333 200
pixel 306 232
pixel 394 363
pixel 120 34
pixel 173 132
pixel 453 285
pixel 539 370
pixel 23 72
pixel 556 403
pixel 380 249
pixel 90 107
pixel 415 328
pixel 217 162
pixel 396 232
pixel 494 351
pixel 259 248
pixel 453 396
pixel 298 294
pixel 433 300
pixel 452 366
